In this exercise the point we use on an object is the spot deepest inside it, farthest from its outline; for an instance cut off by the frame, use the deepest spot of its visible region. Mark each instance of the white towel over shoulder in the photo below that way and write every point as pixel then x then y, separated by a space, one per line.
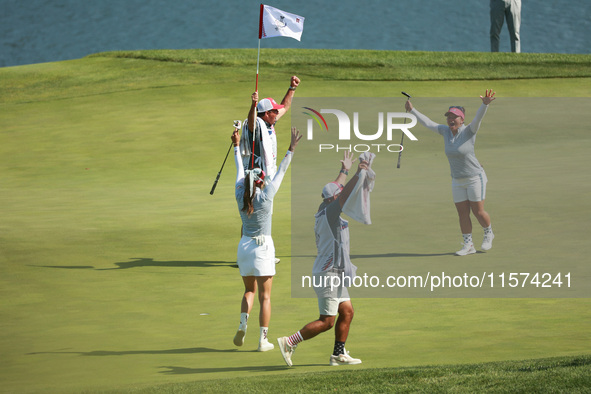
pixel 267 160
pixel 357 206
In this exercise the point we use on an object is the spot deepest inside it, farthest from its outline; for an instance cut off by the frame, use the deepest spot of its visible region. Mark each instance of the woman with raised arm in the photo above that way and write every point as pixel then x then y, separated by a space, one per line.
pixel 468 177
pixel 256 251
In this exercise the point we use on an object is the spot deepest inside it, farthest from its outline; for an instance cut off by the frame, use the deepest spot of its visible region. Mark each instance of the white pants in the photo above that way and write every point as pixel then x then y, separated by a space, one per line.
pixel 256 260
pixel 499 11
pixel 472 188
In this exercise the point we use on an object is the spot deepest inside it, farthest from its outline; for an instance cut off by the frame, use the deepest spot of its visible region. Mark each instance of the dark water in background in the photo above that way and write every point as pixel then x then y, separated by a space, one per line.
pixel 37 31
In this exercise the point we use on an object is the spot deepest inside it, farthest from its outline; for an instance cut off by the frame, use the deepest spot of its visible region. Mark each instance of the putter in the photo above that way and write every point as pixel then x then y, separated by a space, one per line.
pixel 237 125
pixel 402 139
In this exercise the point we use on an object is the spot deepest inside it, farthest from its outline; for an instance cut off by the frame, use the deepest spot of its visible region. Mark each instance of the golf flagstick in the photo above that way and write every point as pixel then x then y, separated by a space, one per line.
pixel 279 24
pixel 256 89
pixel 402 139
pixel 256 84
pixel 217 178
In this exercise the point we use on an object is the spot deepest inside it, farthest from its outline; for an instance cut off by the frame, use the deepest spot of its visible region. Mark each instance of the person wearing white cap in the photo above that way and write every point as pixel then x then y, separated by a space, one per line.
pixel 259 143
pixel 332 260
pixel 258 146
pixel 468 177
pixel 256 251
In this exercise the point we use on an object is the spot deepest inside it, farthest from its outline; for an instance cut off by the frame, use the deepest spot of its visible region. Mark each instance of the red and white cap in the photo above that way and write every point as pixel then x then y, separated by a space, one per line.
pixel 268 104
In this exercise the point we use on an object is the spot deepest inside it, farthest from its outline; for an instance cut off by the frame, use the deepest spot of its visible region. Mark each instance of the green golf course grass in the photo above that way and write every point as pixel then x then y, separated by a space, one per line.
pixel 117 267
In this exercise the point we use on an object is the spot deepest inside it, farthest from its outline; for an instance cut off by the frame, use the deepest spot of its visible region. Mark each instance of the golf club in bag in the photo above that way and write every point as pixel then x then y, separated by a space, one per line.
pixel 402 139
pixel 237 125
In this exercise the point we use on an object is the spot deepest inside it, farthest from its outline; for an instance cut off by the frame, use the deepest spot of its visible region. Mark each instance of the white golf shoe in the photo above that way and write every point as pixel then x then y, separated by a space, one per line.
pixel 344 359
pixel 286 350
pixel 265 346
pixel 467 249
pixel 487 241
pixel 239 337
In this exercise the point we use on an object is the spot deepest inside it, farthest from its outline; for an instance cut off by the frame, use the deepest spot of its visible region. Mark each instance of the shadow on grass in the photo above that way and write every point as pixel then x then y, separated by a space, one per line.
pixel 382 255
pixel 373 256
pixel 262 368
pixel 94 353
pixel 148 262
pixel 173 370
pixel 138 262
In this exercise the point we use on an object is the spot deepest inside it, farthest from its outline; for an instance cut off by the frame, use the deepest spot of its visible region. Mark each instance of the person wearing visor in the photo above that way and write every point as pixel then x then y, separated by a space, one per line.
pixel 332 260
pixel 259 142
pixel 468 177
pixel 256 251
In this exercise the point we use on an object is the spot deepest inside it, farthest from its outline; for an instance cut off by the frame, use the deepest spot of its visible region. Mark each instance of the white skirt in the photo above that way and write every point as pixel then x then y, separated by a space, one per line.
pixel 256 260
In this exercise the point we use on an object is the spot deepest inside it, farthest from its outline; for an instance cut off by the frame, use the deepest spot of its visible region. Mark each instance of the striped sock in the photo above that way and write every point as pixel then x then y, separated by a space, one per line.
pixel 295 339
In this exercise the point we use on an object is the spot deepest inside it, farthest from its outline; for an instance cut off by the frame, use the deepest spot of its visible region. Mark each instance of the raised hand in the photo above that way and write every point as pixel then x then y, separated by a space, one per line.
pixel 295 138
pixel 236 137
pixel 489 96
pixel 363 165
pixel 348 160
pixel 408 106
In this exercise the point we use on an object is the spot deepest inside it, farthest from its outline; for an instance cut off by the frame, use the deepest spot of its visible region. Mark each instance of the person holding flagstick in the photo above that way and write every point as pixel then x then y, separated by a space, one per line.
pixel 259 147
pixel 259 142
pixel 255 154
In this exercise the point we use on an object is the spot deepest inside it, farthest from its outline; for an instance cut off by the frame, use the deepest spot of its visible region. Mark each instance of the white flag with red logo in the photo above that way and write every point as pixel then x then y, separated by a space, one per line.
pixel 277 23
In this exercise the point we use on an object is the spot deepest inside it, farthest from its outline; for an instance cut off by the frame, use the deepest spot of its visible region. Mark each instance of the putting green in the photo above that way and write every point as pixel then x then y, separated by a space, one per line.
pixel 117 267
